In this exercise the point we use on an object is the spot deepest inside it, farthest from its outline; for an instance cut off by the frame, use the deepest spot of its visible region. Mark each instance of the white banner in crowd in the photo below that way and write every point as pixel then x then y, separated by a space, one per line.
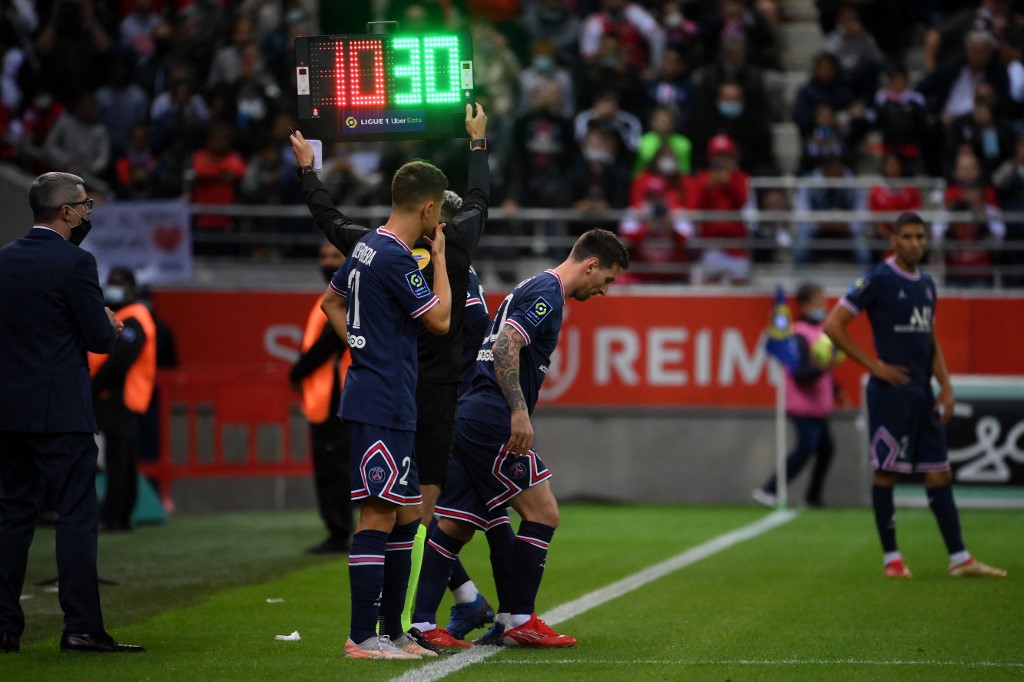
pixel 152 238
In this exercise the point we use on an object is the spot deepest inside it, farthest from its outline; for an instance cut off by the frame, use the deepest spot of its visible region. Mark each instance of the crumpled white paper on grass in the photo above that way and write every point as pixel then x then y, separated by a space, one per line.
pixel 294 637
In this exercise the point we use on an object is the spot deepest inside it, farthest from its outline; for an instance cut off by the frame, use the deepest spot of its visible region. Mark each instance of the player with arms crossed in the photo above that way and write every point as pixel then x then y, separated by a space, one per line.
pixel 494 464
pixel 905 418
pixel 373 303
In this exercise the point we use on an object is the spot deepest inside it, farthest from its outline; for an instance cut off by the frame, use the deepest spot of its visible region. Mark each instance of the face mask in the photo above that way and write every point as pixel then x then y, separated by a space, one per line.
pixel 673 20
pixel 816 315
pixel 43 102
pixel 544 64
pixel 328 273
pixel 114 294
pixel 550 16
pixel 730 109
pixel 666 165
pixel 78 232
pixel 597 155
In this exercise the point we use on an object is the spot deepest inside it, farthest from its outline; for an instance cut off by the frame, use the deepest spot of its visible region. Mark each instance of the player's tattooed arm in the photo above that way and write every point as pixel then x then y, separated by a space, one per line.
pixel 506 365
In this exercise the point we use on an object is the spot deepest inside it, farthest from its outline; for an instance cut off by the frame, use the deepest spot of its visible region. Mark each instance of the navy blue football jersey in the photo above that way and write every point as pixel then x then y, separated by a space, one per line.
pixel 474 328
pixel 385 293
pixel 534 309
pixel 901 309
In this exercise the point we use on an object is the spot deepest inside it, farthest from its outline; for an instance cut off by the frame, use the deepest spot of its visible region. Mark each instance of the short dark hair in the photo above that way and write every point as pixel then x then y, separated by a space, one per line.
pixel 50 191
pixel 603 245
pixel 806 291
pixel 906 218
pixel 417 181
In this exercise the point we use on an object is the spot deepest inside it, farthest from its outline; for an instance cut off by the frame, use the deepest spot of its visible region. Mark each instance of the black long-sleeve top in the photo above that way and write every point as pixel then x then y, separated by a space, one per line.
pixel 440 357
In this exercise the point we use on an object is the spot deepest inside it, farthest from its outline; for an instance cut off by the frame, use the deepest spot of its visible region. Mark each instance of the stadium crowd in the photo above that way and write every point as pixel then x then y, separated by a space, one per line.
pixel 654 107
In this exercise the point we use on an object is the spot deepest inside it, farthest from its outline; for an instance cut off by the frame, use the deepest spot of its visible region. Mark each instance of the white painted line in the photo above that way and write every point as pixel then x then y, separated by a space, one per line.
pixel 464 659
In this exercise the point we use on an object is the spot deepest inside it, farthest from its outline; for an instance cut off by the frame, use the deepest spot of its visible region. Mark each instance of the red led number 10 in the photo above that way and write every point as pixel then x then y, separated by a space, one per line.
pixel 420 71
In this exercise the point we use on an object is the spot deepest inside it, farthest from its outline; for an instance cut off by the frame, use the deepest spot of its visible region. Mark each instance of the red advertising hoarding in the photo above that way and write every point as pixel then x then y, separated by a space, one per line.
pixel 624 350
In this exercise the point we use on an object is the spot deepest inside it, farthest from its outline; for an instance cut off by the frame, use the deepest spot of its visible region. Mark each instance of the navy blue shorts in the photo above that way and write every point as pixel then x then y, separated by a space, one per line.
pixel 906 432
pixel 460 502
pixel 487 475
pixel 383 465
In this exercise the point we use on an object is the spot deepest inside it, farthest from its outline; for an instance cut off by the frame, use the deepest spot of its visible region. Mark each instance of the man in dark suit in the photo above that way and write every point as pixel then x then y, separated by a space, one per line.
pixel 51 313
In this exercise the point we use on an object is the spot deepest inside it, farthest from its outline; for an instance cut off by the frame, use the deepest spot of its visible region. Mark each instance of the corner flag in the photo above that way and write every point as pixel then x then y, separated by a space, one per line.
pixel 780 343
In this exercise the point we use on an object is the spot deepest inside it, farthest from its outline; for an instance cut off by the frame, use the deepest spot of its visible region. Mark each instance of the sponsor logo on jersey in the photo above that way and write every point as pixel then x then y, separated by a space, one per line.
pixel 540 308
pixel 421 256
pixel 920 321
pixel 418 284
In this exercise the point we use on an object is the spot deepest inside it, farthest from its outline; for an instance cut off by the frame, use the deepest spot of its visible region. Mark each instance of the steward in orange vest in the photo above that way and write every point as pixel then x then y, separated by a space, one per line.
pixel 319 373
pixel 122 385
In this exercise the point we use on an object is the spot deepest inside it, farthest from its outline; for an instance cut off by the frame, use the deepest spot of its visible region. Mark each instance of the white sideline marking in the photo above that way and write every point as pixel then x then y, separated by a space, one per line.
pixel 782 662
pixel 464 659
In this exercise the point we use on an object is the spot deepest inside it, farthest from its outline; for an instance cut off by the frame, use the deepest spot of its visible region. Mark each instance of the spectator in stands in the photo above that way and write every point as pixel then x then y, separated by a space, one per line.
pixel 818 196
pixel 899 114
pixel 738 19
pixel 858 55
pixel 968 246
pixel 496 71
pixel 657 246
pixel 827 133
pixel 173 176
pixel 543 71
pixel 610 71
pixel 598 181
pixel 227 62
pixel 79 142
pixel 966 173
pixel 73 46
pixel 624 127
pixel 723 187
pixel 1009 183
pixel 542 154
pixel 680 33
pixel 655 229
pixel 135 169
pixel 180 113
pixel 551 20
pixel 732 66
pixel 949 90
pixel 254 98
pixel 16 69
pixel 824 87
pixel 641 38
pixel 748 128
pixel 270 179
pixel 890 196
pixel 217 171
pixel 41 116
pixel 942 41
pixel 662 138
pixel 121 104
pixel 139 29
pixel 989 138
pixel 673 88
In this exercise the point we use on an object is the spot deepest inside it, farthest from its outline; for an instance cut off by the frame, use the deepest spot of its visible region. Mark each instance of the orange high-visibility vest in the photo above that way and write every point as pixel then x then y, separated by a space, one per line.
pixel 316 388
pixel 141 376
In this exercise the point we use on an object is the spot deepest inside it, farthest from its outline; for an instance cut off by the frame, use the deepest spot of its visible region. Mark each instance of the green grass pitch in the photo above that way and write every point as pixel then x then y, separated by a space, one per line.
pixel 803 601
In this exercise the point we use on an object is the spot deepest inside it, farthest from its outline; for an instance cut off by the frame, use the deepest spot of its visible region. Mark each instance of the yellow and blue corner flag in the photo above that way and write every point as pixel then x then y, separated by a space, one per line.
pixel 780 342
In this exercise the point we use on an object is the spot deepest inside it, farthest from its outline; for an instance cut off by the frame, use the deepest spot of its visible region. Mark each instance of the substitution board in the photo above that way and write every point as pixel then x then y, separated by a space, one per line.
pixel 384 87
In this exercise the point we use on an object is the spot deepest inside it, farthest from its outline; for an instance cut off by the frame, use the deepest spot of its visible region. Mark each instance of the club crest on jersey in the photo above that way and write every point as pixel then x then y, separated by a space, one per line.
pixel 517 470
pixel 377 474
pixel 540 308
pixel 418 284
pixel 421 256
